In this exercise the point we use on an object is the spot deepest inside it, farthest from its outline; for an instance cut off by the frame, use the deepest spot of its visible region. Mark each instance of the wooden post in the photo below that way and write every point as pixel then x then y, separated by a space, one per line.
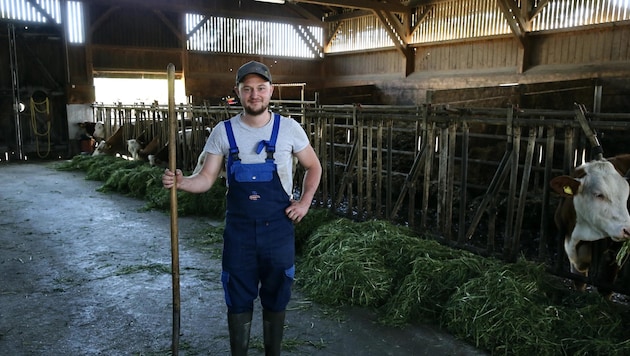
pixel 442 173
pixel 464 184
pixel 520 211
pixel 544 238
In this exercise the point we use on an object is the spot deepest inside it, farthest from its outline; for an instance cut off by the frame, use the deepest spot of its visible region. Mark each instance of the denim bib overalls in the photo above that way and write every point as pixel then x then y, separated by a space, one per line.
pixel 258 241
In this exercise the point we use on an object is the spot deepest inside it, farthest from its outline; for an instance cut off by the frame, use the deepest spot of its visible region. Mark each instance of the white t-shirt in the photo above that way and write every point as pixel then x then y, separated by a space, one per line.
pixel 291 139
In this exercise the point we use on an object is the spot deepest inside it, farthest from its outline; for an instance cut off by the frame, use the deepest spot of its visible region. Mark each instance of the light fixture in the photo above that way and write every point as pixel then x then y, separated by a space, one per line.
pixel 272 1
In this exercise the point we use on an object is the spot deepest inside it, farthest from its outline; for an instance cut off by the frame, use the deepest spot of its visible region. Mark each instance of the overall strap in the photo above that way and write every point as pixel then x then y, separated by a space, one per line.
pixel 270 146
pixel 233 148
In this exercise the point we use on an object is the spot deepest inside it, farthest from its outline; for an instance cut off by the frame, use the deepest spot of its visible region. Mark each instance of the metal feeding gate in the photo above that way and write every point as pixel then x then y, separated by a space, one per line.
pixel 147 122
pixel 477 177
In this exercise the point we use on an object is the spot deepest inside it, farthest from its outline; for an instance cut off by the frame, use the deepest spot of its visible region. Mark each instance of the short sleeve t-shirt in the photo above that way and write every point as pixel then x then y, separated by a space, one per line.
pixel 291 138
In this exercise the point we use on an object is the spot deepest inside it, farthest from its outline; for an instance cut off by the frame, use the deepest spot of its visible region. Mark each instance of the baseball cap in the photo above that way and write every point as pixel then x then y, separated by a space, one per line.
pixel 253 67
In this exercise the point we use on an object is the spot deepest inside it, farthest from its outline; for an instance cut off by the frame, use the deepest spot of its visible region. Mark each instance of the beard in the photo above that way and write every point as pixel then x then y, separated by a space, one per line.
pixel 249 110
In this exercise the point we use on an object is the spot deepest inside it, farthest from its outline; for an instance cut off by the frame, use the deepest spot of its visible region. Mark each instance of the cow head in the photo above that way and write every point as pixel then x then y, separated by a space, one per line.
pixel 100 148
pixel 600 195
pixel 133 146
pixel 99 131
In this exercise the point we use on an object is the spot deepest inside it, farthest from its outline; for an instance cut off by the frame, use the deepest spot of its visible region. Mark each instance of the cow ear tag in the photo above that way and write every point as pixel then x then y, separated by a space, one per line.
pixel 567 190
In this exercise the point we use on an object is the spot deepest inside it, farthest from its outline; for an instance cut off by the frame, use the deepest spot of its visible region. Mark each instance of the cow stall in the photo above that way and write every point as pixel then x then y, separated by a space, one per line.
pixel 476 177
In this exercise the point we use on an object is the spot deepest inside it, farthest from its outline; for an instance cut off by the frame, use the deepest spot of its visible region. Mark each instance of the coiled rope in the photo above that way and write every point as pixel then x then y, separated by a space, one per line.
pixel 45 109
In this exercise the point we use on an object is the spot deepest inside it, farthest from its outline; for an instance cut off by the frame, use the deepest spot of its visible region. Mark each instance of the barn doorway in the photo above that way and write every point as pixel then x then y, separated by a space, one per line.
pixel 136 90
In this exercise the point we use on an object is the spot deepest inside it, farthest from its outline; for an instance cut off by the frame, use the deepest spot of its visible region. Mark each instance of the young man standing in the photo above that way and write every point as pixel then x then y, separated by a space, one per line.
pixel 259 247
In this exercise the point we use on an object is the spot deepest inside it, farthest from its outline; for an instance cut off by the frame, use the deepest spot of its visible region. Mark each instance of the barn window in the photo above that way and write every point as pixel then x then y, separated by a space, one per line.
pixel 229 35
pixel 75 27
pixel 570 13
pixel 43 11
pixel 48 12
pixel 457 20
pixel 359 33
pixel 136 90
pixel 460 19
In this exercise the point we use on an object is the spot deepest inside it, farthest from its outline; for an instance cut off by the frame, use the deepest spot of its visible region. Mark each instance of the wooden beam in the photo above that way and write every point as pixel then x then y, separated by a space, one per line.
pixel 177 32
pixel 96 24
pixel 393 34
pixel 201 23
pixel 392 30
pixel 348 15
pixel 523 60
pixel 526 6
pixel 396 23
pixel 513 16
pixel 519 28
pixel 309 40
pixel 330 38
pixel 410 61
pixel 400 36
pixel 89 59
pixel 425 12
pixel 360 4
pixel 303 12
pixel 204 8
pixel 536 10
pixel 41 63
pixel 43 12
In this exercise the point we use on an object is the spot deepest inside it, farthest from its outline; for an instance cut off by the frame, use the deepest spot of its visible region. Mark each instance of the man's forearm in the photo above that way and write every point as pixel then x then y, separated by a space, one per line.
pixel 309 184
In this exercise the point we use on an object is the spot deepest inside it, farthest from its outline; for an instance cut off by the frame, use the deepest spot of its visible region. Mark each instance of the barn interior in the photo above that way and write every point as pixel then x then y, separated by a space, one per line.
pixel 448 116
pixel 533 54
pixel 446 93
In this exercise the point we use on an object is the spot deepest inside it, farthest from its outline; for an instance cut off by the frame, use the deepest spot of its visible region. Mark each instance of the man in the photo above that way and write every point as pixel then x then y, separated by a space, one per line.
pixel 258 242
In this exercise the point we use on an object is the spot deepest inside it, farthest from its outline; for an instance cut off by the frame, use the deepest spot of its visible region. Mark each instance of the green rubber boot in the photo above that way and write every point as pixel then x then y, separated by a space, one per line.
pixel 273 328
pixel 239 326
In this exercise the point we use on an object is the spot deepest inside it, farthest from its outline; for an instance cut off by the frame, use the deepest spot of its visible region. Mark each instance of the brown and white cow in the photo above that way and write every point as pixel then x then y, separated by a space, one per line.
pixel 95 130
pixel 594 208
pixel 140 151
pixel 115 144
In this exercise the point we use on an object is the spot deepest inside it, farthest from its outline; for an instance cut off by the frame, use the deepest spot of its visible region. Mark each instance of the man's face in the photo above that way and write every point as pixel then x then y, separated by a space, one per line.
pixel 255 93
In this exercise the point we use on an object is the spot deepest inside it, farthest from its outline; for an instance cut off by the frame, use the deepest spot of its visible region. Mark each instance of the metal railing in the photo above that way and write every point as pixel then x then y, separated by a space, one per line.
pixel 477 177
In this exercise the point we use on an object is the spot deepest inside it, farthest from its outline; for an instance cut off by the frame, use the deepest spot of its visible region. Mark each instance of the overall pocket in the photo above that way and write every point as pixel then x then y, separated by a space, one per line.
pixel 257 172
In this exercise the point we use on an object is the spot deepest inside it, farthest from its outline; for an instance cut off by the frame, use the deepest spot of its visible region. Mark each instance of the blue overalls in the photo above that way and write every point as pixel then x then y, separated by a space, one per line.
pixel 258 241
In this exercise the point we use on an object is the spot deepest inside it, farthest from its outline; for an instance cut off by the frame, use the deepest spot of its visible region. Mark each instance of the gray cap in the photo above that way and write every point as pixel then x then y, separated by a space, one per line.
pixel 253 67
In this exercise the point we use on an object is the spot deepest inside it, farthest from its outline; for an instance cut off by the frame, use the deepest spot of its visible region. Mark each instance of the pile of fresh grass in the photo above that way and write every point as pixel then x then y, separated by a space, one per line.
pixel 354 263
pixel 435 273
pixel 313 220
pixel 511 309
pixel 134 182
pixel 138 179
pixel 519 309
pixel 98 168
pixel 381 265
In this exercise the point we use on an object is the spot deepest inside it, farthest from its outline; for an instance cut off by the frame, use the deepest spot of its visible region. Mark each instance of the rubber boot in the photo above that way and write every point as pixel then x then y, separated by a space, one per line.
pixel 273 327
pixel 239 326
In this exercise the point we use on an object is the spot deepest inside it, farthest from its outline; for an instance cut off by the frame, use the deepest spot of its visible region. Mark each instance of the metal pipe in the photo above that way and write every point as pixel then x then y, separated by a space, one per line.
pixel 15 81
